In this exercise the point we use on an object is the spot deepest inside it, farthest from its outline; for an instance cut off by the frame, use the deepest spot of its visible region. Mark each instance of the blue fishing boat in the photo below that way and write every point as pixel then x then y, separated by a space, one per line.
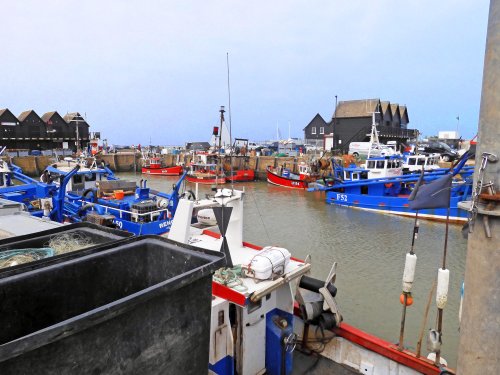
pixel 389 194
pixel 94 194
pixel 16 186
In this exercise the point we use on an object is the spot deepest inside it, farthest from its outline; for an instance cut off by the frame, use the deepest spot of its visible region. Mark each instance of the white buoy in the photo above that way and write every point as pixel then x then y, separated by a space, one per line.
pixel 409 272
pixel 442 287
pixel 207 217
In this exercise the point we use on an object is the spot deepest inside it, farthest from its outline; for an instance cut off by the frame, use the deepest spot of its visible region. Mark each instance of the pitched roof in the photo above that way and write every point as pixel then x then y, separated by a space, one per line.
pixel 385 105
pixel 25 114
pixel 73 116
pixel 6 111
pixel 356 108
pixel 318 117
pixel 2 111
pixel 404 112
pixel 395 108
pixel 46 116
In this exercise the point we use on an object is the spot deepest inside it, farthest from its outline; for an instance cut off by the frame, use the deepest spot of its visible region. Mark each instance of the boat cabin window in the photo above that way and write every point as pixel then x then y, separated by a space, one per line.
pixel 355 176
pixel 77 179
pixel 346 175
pixel 371 164
pixel 1 179
pixel 90 177
pixel 364 189
pixel 421 161
pixel 380 164
pixel 412 161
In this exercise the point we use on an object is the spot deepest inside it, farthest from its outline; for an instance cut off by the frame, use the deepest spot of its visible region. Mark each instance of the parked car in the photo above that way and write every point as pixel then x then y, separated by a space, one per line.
pixel 446 152
pixel 253 145
pixel 361 149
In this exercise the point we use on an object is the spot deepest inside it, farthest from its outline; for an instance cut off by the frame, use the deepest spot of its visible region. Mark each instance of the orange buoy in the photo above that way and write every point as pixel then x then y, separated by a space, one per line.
pixel 409 299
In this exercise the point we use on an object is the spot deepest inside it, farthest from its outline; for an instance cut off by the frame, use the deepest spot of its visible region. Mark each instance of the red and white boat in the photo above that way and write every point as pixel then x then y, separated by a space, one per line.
pixel 153 165
pixel 283 176
pixel 205 169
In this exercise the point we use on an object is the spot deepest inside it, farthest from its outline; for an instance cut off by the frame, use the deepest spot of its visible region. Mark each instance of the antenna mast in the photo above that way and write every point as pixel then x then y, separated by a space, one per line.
pixel 230 125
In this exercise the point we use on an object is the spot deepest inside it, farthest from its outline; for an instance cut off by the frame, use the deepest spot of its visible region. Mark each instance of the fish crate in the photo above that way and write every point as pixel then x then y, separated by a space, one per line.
pixel 141 307
pixel 104 220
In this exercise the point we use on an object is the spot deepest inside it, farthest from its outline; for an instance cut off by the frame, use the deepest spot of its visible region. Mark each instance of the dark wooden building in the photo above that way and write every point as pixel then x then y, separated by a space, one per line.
pixel 58 132
pixel 78 127
pixel 352 120
pixel 8 125
pixel 51 131
pixel 31 129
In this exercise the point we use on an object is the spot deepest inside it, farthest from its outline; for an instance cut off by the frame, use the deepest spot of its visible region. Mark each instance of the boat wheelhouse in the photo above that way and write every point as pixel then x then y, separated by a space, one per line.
pixel 417 162
pixel 284 177
pixel 205 169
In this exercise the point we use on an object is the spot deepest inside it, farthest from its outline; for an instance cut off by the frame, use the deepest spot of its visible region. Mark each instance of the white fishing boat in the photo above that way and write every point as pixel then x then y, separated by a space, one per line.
pixel 256 320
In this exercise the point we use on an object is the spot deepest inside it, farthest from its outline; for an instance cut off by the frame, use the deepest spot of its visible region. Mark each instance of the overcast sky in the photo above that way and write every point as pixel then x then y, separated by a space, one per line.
pixel 156 70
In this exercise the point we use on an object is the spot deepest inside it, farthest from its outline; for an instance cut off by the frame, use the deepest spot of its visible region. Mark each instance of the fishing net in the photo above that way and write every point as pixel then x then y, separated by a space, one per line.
pixel 14 257
pixel 67 242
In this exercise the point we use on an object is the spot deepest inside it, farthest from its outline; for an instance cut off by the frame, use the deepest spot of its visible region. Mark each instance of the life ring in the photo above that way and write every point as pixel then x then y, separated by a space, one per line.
pixel 388 185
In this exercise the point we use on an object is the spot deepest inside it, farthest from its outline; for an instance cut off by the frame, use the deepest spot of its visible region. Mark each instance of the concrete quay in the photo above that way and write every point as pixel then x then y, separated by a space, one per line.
pixel 129 162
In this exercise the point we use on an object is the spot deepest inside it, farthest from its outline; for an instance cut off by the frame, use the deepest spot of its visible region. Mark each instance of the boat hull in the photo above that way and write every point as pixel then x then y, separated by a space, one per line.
pixel 205 180
pixel 167 171
pixel 396 206
pixel 243 175
pixel 275 179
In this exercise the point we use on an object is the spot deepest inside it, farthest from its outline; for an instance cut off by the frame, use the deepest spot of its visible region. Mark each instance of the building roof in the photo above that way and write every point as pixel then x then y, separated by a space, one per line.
pixel 6 111
pixel 317 118
pixel 46 116
pixel 356 108
pixel 2 111
pixel 385 105
pixel 404 113
pixel 73 116
pixel 25 114
pixel 395 108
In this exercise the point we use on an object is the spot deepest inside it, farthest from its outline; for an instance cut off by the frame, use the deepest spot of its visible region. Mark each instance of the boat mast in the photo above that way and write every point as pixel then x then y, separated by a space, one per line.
pixel 373 135
pixel 479 329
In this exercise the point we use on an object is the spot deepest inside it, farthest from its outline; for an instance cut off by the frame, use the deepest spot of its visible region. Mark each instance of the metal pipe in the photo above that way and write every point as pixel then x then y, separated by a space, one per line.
pixel 479 330
pixel 306 267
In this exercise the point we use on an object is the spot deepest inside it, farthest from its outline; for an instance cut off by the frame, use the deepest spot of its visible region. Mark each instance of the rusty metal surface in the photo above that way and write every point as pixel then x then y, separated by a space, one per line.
pixel 479 345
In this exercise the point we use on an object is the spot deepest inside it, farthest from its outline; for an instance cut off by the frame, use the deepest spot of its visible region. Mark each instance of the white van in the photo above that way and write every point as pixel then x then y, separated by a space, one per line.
pixel 361 149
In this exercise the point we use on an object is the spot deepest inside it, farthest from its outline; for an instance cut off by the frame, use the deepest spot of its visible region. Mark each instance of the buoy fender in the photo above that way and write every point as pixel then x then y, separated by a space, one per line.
pixel 409 272
pixel 442 288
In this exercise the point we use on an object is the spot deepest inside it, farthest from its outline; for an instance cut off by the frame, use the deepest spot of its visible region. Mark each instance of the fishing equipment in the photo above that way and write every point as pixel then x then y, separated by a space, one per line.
pixel 231 277
pixel 409 272
pixel 11 258
pixel 68 242
pixel 406 299
pixel 442 288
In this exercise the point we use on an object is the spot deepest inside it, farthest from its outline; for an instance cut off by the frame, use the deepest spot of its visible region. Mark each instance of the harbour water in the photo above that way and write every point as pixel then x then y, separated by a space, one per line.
pixel 370 250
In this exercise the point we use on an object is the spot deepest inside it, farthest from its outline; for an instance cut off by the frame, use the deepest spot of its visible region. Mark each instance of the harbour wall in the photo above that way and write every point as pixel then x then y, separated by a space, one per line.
pixel 129 162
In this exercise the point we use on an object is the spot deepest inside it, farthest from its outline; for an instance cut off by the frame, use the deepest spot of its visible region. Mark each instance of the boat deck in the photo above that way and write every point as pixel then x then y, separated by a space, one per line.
pixel 209 238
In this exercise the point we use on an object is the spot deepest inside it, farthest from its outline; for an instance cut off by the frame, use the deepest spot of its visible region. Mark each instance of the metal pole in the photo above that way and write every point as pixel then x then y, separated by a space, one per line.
pixel 478 351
